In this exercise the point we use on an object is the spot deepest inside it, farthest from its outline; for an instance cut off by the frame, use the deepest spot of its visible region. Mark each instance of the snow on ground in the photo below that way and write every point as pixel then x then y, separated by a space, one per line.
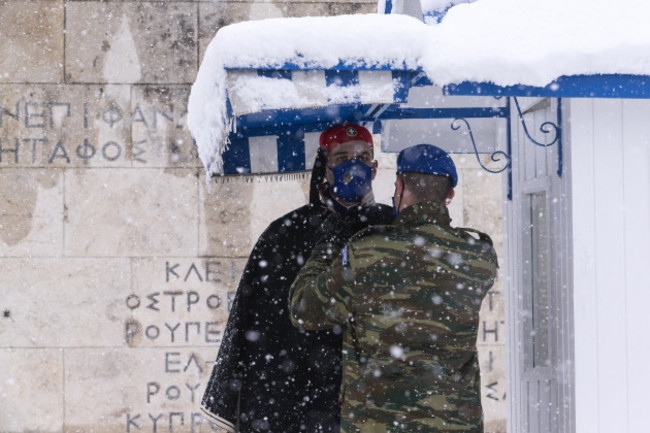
pixel 506 42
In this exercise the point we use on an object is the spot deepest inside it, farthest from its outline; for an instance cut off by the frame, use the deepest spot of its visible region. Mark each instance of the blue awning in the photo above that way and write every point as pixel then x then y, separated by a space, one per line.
pixel 274 134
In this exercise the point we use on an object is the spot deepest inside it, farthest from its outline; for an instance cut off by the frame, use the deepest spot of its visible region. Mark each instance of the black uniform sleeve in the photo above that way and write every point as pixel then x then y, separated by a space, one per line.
pixel 221 398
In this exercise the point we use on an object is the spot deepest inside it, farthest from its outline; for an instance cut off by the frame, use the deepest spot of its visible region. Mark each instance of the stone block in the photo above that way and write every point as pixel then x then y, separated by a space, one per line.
pixel 144 390
pixel 482 203
pixel 131 213
pixel 356 7
pixel 31 386
pixel 32 41
pixel 214 15
pixel 52 303
pixel 159 132
pixel 95 126
pixel 234 211
pixel 31 216
pixel 65 126
pixel 493 388
pixel 123 42
pixel 492 327
pixel 306 9
pixel 178 302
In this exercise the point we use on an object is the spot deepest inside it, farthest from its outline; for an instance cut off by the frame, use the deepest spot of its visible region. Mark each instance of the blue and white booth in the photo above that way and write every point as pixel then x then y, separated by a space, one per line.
pixel 567 121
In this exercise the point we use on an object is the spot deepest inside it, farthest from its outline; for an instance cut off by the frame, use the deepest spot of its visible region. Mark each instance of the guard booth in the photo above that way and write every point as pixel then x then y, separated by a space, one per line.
pixel 574 156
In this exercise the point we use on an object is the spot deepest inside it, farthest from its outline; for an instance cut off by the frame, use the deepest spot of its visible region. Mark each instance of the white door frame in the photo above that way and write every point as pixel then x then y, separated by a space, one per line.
pixel 539 298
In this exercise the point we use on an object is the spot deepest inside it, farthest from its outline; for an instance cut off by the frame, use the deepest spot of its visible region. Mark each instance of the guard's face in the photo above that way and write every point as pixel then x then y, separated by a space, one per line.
pixel 357 149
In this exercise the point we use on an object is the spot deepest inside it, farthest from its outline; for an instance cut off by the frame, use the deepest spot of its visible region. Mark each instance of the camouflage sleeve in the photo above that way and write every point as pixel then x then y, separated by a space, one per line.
pixel 319 298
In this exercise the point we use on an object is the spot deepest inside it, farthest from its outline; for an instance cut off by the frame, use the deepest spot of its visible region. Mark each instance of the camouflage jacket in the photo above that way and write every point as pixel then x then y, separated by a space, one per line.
pixel 407 298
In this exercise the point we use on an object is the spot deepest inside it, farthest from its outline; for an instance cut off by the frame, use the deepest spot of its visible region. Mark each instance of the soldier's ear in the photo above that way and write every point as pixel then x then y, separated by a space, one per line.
pixel 399 184
pixel 450 197
pixel 374 169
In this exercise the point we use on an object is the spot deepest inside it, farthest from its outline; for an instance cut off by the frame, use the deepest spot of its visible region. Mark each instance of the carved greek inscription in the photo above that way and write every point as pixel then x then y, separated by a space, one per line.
pixel 175 299
pixel 36 132
pixel 178 316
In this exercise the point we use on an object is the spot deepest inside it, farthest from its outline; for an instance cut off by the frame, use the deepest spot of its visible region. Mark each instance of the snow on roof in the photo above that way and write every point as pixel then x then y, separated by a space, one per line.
pixel 506 42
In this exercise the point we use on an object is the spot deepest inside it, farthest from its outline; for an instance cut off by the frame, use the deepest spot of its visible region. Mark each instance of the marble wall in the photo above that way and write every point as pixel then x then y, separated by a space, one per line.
pixel 118 260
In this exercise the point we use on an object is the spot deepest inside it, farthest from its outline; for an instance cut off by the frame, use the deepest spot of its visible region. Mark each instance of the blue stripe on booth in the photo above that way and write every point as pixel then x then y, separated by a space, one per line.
pixel 341 78
pixel 237 159
pixel 271 73
pixel 291 151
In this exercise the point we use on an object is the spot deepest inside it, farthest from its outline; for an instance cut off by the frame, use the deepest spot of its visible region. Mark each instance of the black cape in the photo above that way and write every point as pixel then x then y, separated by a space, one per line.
pixel 270 376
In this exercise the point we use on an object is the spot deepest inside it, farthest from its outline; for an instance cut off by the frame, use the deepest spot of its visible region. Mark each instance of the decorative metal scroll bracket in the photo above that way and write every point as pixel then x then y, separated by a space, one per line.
pixel 546 128
pixel 494 156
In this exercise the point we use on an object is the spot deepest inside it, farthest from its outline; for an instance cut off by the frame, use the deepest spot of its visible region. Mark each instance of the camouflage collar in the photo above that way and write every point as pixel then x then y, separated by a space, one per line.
pixel 427 212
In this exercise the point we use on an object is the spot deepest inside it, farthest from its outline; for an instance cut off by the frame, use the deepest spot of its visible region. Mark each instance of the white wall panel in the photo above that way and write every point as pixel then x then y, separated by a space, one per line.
pixel 611 238
pixel 610 260
pixel 636 197
pixel 584 284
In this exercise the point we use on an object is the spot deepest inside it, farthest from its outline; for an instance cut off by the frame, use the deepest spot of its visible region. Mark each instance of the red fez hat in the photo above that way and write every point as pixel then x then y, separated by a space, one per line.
pixel 339 134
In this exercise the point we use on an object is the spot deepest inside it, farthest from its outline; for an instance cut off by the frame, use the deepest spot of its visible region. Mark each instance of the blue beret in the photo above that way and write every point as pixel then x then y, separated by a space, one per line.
pixel 428 159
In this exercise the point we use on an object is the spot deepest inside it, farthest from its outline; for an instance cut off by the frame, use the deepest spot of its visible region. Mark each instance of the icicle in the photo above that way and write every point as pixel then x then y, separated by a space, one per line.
pixel 259 177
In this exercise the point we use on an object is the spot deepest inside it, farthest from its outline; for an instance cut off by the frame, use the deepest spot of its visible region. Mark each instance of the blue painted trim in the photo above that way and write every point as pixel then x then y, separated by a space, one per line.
pixel 278 122
pixel 560 149
pixel 566 86
pixel 352 65
pixel 229 110
pixel 574 86
pixel 389 7
pixel 396 112
pixel 494 156
pixel 509 148
pixel 402 84
pixel 291 152
pixel 236 158
pixel 543 128
pixel 342 78
pixel 275 73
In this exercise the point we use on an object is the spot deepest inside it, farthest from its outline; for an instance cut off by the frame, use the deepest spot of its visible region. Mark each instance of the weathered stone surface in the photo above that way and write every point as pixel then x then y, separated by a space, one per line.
pixel 159 132
pixel 95 126
pixel 482 207
pixel 24 23
pixel 235 212
pixel 31 214
pixel 127 212
pixel 214 15
pixel 65 126
pixel 492 360
pixel 55 303
pixel 179 301
pixel 357 7
pixel 31 386
pixel 131 42
pixel 113 390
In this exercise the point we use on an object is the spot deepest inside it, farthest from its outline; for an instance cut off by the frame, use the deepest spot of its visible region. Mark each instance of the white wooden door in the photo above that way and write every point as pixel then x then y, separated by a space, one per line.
pixel 540 374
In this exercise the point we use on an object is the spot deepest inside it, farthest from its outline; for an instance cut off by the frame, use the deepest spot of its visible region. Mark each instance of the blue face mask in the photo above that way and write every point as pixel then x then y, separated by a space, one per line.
pixel 352 180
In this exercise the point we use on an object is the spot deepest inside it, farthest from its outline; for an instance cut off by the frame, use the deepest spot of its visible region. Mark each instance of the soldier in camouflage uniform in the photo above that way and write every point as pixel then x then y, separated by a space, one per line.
pixel 407 298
